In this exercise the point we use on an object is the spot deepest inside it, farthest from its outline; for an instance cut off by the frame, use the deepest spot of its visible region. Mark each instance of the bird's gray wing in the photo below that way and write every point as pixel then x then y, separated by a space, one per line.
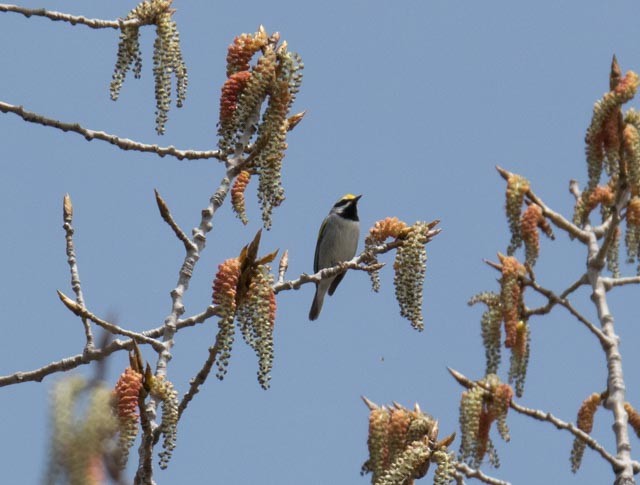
pixel 318 244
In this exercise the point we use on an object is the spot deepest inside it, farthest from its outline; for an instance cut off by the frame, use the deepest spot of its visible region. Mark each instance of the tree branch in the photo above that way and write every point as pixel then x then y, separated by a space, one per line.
pixel 615 462
pixel 66 364
pixel 234 165
pixel 613 282
pixel 76 286
pixel 200 378
pixel 122 143
pixel 615 381
pixel 165 213
pixel 72 19
pixel 357 263
pixel 563 301
pixel 469 472
pixel 557 219
pixel 108 326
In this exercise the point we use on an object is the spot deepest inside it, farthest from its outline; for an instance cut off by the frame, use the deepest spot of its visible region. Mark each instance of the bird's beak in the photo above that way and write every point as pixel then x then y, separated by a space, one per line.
pixel 357 197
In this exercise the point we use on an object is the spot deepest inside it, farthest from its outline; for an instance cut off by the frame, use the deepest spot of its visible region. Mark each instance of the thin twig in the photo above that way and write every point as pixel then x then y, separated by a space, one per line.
pixel 76 286
pixel 564 302
pixel 558 219
pixel 123 143
pixel 110 327
pixel 469 472
pixel 72 19
pixel 200 378
pixel 65 364
pixel 574 430
pixel 165 213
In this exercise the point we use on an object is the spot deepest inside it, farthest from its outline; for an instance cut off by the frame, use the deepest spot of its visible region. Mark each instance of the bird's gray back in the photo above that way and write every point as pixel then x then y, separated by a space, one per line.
pixel 343 234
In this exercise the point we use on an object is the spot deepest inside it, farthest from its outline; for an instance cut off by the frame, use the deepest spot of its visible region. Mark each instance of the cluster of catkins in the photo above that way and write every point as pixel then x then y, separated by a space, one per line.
pixel 506 307
pixel 613 147
pixel 167 56
pixel 487 401
pixel 274 78
pixel 84 445
pixel 402 444
pixel 409 265
pixel 243 292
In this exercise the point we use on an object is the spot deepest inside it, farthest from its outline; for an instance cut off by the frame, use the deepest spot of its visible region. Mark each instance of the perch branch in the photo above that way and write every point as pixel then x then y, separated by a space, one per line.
pixel 357 263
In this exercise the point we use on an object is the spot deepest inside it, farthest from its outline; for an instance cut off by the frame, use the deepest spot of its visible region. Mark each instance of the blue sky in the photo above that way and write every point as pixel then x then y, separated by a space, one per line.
pixel 411 104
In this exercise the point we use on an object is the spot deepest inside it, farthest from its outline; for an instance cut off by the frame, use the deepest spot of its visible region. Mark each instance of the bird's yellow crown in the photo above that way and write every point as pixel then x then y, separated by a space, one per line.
pixel 348 197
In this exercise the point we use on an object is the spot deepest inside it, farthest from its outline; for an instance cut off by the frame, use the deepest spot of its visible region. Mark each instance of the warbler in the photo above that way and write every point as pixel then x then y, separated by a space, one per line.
pixel 337 242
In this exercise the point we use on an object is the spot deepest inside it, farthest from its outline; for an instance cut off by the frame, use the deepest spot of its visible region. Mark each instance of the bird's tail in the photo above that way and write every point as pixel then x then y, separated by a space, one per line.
pixel 318 299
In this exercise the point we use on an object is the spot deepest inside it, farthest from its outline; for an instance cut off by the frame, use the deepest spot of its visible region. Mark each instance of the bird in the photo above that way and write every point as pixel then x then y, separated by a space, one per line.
pixel 337 242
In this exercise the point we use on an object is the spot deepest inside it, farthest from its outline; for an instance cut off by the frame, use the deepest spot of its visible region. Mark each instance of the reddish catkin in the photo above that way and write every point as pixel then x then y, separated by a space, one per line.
pixel 632 237
pixel 520 358
pixel 398 427
pixel 231 90
pixel 511 296
pixel 272 308
pixel 225 287
pixel 127 392
pixel 627 87
pixel 586 414
pixel 634 418
pixel 386 228
pixel 529 222
pixel 611 133
pixel 517 187
pixel 484 426
pixel 601 195
pixel 633 212
pixel 226 282
pixel 242 50
pixel 631 140
pixel 237 195
pixel 378 441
